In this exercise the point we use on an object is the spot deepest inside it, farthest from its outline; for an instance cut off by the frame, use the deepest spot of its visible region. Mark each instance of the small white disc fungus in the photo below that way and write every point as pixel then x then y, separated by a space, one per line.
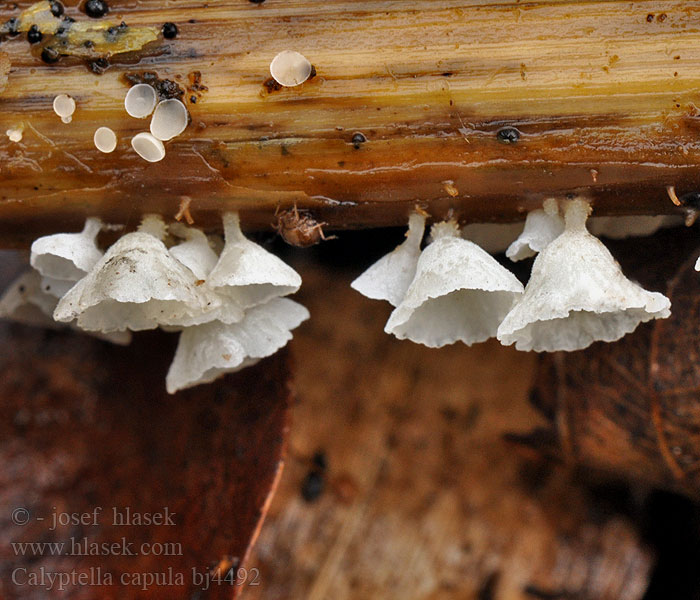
pixel 64 107
pixel 169 119
pixel 15 133
pixel 247 272
pixel 67 256
pixel 577 294
pixel 208 351
pixel 289 68
pixel 541 228
pixel 140 100
pixel 105 140
pixel 148 147
pixel 136 285
pixel 389 277
pixel 459 293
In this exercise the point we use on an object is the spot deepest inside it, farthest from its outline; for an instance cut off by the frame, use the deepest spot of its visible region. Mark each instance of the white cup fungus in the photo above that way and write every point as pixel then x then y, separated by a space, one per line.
pixel 389 278
pixel 140 100
pixel 542 226
pixel 577 295
pixel 64 107
pixel 148 147
pixel 289 68
pixel 105 139
pixel 169 119
pixel 459 293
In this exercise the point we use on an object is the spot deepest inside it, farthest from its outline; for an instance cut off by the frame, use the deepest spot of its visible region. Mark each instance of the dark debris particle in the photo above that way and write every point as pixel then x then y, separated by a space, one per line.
pixel 165 88
pixel 50 55
pixel 98 66
pixel 257 1
pixel 96 9
pixel 320 460
pixel 312 486
pixel 650 17
pixel 358 139
pixel 312 73
pixel 12 27
pixel 34 36
pixel 193 99
pixel 508 135
pixel 691 199
pixel 169 30
pixel 57 8
pixel 271 85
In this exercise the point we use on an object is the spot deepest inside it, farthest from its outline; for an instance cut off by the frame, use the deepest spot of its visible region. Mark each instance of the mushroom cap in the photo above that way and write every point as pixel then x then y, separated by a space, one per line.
pixel 577 294
pixel 25 302
pixel 67 256
pixel 459 293
pixel 290 68
pixel 248 272
pixel 194 252
pixel 56 287
pixel 390 277
pixel 541 228
pixel 169 119
pixel 136 285
pixel 140 100
pixel 208 351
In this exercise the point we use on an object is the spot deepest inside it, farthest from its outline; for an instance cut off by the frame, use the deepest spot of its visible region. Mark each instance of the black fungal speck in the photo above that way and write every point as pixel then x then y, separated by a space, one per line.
pixel 96 9
pixel 691 199
pixel 312 486
pixel 169 31
pixel 50 55
pixel 56 8
pixel 34 36
pixel 257 1
pixel 508 135
pixel 358 139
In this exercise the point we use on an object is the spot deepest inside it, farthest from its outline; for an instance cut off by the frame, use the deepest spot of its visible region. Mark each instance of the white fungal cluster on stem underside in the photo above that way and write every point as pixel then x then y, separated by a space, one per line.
pixel 228 306
pixel 455 291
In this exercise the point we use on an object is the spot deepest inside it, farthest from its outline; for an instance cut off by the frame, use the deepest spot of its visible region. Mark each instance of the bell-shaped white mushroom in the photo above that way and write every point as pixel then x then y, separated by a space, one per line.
pixel 25 301
pixel 194 252
pixel 67 256
pixel 136 285
pixel 247 272
pixel 389 277
pixel 459 293
pixel 542 226
pixel 577 295
pixel 206 352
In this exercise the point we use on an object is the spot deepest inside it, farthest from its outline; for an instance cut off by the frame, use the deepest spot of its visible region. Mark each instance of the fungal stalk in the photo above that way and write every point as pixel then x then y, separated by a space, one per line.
pixel 577 294
pixel 389 278
pixel 459 293
pixel 542 226
pixel 248 273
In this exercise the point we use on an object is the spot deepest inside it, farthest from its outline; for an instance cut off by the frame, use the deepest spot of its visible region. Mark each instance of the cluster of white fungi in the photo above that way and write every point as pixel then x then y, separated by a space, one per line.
pixel 226 298
pixel 453 290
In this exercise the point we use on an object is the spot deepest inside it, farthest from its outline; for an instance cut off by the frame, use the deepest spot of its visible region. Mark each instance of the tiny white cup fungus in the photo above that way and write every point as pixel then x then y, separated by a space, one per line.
pixel 67 256
pixel 140 100
pixel 148 147
pixel 64 107
pixel 105 139
pixel 56 287
pixel 136 285
pixel 577 295
pixel 249 273
pixel 389 277
pixel 206 352
pixel 542 226
pixel 459 293
pixel 14 134
pixel 289 68
pixel 169 119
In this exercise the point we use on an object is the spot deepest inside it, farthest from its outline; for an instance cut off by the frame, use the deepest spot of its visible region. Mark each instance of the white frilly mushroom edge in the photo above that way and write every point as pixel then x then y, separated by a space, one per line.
pixel 455 291
pixel 577 294
pixel 228 306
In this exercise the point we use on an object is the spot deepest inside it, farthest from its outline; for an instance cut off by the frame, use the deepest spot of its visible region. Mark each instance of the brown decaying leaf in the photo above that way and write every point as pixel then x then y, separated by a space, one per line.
pixel 631 408
pixel 84 425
